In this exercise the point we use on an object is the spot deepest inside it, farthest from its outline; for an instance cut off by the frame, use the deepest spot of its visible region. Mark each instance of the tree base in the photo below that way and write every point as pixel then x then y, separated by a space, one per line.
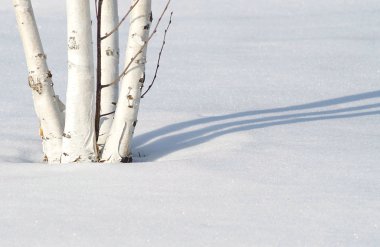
pixel 126 160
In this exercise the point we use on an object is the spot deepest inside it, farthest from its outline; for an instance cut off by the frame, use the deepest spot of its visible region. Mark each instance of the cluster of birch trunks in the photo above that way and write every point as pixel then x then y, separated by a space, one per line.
pixel 98 120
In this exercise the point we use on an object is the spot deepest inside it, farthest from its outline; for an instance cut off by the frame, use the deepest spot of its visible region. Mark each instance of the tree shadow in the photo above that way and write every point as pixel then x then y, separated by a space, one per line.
pixel 166 140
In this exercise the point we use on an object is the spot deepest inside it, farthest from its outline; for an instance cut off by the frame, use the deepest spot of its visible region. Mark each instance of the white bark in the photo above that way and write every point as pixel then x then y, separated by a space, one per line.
pixel 118 145
pixel 79 143
pixel 110 69
pixel 46 103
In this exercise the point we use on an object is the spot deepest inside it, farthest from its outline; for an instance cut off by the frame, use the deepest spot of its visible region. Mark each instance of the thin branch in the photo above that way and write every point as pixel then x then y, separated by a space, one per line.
pixel 159 56
pixel 106 114
pixel 121 22
pixel 141 49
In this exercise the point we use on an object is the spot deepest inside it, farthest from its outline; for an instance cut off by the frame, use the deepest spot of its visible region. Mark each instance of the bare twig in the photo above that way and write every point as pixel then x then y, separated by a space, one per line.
pixel 98 69
pixel 121 22
pixel 106 114
pixel 159 56
pixel 141 49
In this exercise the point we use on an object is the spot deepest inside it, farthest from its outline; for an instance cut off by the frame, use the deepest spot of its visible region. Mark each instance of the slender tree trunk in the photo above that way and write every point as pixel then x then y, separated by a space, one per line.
pixel 47 105
pixel 109 69
pixel 98 66
pixel 118 145
pixel 79 143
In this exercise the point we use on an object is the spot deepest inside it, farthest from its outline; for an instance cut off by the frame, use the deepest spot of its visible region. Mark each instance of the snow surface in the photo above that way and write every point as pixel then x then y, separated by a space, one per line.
pixel 262 130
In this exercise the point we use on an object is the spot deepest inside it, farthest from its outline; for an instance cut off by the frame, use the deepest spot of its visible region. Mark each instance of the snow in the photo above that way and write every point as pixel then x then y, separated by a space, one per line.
pixel 262 130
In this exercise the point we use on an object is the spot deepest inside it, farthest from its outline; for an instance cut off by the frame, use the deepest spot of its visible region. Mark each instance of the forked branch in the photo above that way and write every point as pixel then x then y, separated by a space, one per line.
pixel 141 49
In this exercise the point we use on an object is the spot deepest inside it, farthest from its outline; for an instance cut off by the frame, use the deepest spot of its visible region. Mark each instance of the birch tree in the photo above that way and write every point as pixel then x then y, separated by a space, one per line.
pixel 118 145
pixel 99 123
pixel 79 144
pixel 108 67
pixel 47 105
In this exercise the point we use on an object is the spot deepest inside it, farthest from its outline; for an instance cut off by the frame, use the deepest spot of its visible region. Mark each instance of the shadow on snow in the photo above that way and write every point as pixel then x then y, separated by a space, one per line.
pixel 165 140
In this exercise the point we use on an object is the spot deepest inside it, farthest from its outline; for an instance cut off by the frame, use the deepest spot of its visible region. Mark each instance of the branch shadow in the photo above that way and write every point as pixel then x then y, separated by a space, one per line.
pixel 165 140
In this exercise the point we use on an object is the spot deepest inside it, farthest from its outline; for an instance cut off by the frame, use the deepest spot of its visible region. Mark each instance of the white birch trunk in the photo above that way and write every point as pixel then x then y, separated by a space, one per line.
pixel 110 69
pixel 79 143
pixel 118 145
pixel 47 105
